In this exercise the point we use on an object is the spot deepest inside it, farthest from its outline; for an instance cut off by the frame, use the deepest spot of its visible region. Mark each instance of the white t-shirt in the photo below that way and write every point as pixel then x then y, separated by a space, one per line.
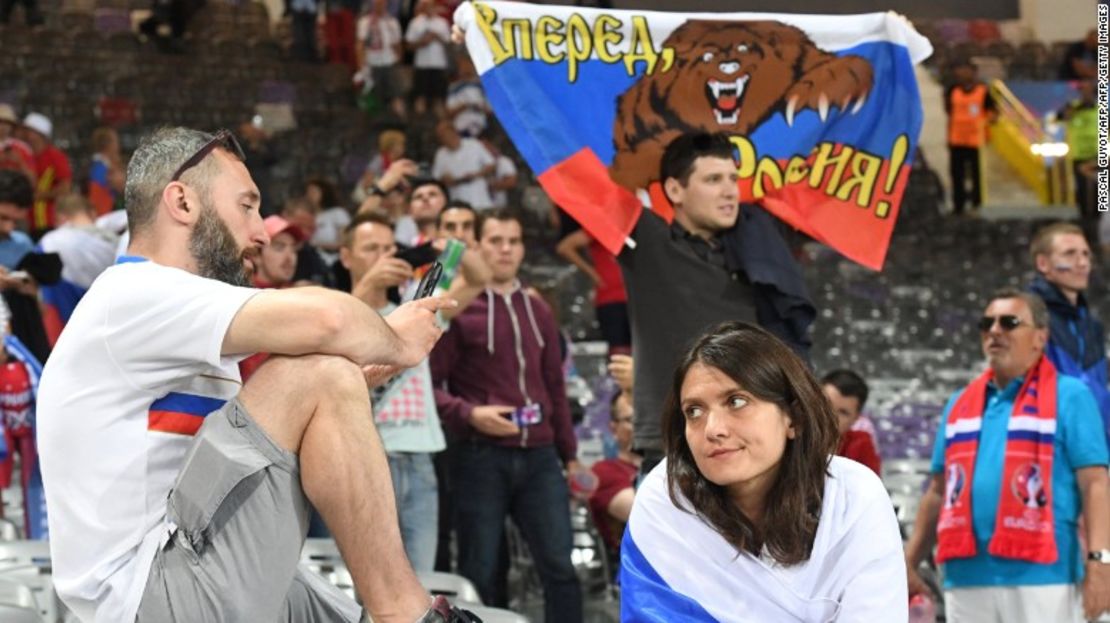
pixel 505 168
pixel 855 572
pixel 86 251
pixel 379 36
pixel 330 224
pixel 471 157
pixel 130 380
pixel 471 98
pixel 433 55
pixel 405 412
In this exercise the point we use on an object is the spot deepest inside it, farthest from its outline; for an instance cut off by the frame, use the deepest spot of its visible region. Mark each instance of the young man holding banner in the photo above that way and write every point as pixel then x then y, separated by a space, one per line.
pixel 718 260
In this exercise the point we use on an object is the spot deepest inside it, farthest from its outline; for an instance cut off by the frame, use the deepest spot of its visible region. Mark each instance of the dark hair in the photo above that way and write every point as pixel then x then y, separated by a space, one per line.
pixel 329 196
pixel 678 159
pixel 457 204
pixel 361 219
pixel 1036 305
pixel 497 214
pixel 849 384
pixel 417 182
pixel 16 189
pixel 768 369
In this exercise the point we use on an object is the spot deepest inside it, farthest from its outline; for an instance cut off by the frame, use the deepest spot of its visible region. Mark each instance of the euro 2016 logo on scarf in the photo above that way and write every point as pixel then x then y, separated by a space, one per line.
pixel 954 483
pixel 1028 486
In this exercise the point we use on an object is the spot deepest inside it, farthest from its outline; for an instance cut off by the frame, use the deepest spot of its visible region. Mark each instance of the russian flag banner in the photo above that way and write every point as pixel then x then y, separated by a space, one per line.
pixel 823 110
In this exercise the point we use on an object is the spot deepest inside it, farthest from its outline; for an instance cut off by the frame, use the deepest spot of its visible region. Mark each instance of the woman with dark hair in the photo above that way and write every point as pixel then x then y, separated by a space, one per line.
pixel 751 517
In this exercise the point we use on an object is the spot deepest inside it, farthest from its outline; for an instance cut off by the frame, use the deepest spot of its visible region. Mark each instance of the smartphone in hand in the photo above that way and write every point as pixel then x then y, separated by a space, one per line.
pixel 429 282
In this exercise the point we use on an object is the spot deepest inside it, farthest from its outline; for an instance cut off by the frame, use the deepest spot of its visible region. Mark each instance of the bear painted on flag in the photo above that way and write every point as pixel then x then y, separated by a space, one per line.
pixel 729 76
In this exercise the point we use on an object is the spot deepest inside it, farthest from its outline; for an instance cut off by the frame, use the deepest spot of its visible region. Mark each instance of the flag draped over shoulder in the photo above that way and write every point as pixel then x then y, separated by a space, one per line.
pixel 823 111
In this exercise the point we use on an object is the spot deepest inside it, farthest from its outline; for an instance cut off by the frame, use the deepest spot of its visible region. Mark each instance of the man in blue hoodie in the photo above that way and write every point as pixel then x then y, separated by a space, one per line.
pixel 1077 343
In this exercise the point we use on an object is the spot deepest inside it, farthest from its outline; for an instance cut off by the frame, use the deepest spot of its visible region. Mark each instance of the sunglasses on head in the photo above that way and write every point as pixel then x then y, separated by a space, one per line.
pixel 1008 322
pixel 224 139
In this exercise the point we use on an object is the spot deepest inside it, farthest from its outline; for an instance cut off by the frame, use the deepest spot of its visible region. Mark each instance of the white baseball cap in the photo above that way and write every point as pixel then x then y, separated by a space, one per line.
pixel 39 123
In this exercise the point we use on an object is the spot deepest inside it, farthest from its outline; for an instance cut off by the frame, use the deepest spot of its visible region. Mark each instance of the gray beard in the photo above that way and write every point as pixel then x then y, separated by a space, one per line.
pixel 215 251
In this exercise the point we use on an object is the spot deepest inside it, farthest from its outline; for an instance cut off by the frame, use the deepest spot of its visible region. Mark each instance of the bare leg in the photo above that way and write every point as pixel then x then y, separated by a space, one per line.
pixel 319 408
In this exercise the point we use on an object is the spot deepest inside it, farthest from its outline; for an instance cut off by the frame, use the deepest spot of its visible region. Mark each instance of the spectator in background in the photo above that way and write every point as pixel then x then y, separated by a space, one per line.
pixel 303 15
pixel 466 99
pixel 847 392
pixel 32 16
pixel 332 217
pixel 427 199
pixel 611 502
pixel 427 36
pixel 172 13
pixel 391 148
pixel 457 221
pixel 1077 341
pixel 1081 117
pixel 277 263
pixel 379 36
pixel 610 297
pixel 260 159
pixel 53 174
pixel 106 173
pixel 404 408
pixel 17 255
pixel 86 251
pixel 504 177
pixel 1019 454
pixel 310 264
pixel 19 379
pixel 1081 58
pixel 14 153
pixel 969 107
pixel 339 32
pixel 501 393
pixel 463 165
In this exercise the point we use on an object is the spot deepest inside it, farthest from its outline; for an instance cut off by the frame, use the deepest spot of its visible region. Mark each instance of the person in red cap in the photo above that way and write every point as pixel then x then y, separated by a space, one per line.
pixel 278 261
pixel 276 265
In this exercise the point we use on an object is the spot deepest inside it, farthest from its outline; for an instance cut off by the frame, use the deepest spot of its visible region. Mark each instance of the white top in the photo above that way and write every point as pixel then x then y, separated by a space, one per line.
pixel 379 36
pixel 405 412
pixel 471 157
pixel 433 55
pixel 470 97
pixel 505 168
pixel 85 251
pixel 856 572
pixel 135 371
pixel 330 224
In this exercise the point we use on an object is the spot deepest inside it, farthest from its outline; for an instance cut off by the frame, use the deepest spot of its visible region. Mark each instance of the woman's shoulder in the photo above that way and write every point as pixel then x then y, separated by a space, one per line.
pixel 852 491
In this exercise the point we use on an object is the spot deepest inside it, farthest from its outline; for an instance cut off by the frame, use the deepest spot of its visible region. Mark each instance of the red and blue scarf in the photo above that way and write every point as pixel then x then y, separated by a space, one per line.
pixel 1024 525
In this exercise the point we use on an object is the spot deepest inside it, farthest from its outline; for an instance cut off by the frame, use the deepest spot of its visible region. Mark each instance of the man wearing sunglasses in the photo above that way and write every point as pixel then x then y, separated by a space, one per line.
pixel 176 493
pixel 1076 340
pixel 1019 456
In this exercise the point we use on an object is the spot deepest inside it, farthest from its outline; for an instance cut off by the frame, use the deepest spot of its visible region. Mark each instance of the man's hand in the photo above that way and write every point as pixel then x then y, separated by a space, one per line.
pixel 378 374
pixel 490 420
pixel 581 480
pixel 1096 590
pixel 396 173
pixel 917 586
pixel 622 369
pixel 416 328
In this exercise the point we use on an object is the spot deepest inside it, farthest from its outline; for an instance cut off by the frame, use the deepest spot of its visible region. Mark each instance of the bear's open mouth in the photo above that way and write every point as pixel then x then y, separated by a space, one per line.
pixel 725 98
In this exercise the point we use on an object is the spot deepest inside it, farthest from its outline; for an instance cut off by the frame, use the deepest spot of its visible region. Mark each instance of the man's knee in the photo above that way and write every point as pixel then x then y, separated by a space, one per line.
pixel 305 374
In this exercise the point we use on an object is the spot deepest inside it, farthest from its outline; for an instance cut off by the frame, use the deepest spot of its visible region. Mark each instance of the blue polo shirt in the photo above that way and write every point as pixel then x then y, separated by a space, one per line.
pixel 1080 442
pixel 14 248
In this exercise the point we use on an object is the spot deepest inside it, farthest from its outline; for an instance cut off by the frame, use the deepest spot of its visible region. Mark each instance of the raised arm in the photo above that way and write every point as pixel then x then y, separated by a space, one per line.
pixel 570 249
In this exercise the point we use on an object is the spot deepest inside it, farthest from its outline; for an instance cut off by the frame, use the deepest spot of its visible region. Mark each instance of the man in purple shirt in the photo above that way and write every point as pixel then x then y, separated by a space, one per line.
pixel 502 398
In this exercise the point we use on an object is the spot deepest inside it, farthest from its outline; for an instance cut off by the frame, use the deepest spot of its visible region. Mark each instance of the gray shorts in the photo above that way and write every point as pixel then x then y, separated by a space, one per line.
pixel 241 518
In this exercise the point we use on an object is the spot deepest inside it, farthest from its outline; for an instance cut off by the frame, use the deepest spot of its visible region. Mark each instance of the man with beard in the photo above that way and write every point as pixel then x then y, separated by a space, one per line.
pixel 178 493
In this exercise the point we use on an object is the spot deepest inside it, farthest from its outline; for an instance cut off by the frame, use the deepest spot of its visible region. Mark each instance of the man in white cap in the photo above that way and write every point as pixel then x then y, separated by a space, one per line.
pixel 14 153
pixel 52 170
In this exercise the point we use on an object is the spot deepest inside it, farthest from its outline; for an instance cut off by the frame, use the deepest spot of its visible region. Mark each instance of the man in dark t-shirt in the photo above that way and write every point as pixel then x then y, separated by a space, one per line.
pixel 717 261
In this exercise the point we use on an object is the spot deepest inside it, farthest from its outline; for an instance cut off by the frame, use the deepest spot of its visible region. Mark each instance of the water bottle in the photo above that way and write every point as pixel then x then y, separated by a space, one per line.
pixel 922 609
